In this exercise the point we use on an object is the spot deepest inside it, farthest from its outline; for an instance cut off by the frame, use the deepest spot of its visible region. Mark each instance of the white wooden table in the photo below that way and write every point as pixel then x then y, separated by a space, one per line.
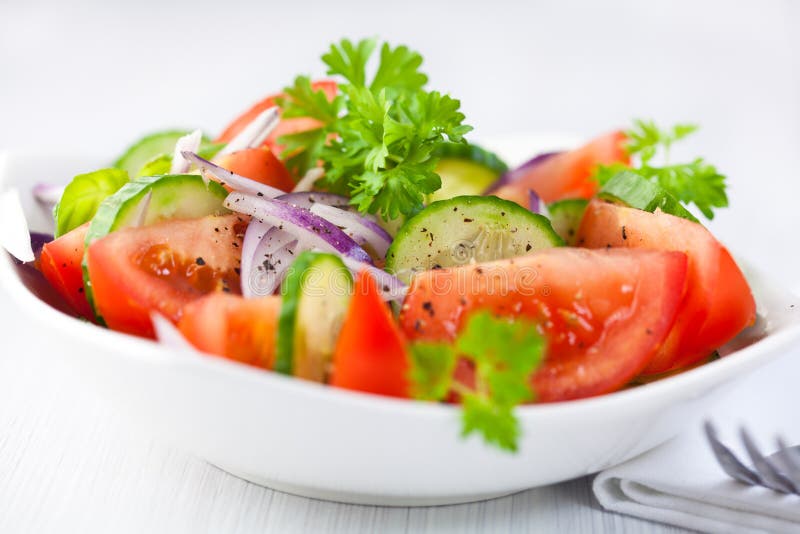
pixel 87 77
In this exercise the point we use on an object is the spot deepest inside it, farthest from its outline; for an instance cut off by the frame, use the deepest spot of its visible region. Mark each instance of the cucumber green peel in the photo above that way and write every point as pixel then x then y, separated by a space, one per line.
pixel 316 293
pixel 565 216
pixel 474 153
pixel 156 146
pixel 465 170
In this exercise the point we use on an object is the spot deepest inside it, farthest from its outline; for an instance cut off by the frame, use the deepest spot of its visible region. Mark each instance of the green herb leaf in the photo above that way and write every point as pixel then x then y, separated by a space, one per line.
pixel 377 140
pixel 302 100
pixel 83 195
pixel 399 69
pixel 504 354
pixel 349 60
pixel 431 370
pixel 696 182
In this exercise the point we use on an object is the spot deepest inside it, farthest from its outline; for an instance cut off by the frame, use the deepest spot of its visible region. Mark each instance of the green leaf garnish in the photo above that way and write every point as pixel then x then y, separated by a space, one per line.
pixel 696 182
pixel 83 195
pixel 378 138
pixel 504 354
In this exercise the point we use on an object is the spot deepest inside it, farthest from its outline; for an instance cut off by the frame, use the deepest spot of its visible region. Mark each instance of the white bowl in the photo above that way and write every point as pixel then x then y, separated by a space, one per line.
pixel 333 444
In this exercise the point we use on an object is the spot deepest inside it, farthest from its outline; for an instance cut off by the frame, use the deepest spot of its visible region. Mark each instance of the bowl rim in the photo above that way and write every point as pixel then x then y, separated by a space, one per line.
pixel 149 351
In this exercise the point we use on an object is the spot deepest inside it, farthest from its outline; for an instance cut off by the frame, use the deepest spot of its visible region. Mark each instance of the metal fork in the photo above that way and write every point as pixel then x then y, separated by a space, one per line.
pixel 779 471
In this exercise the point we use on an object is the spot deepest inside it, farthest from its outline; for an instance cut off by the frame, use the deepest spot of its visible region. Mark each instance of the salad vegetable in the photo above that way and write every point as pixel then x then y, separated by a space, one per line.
pixel 345 232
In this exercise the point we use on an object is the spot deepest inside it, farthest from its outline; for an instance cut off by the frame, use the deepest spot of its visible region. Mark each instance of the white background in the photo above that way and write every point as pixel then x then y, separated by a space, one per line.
pixel 89 78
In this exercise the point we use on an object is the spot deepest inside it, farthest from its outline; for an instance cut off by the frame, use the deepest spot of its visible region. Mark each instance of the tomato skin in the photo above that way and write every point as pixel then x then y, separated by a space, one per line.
pixel 243 330
pixel 60 264
pixel 370 354
pixel 261 165
pixel 718 303
pixel 285 126
pixel 569 174
pixel 604 313
pixel 136 271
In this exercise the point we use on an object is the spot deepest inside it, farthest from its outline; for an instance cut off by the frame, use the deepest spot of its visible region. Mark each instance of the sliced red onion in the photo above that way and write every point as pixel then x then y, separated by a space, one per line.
pixel 48 195
pixel 236 182
pixel 187 143
pixel 311 230
pixel 534 202
pixel 254 134
pixel 307 182
pixel 307 199
pixel 513 175
pixel 266 254
pixel 38 240
pixel 390 287
pixel 362 229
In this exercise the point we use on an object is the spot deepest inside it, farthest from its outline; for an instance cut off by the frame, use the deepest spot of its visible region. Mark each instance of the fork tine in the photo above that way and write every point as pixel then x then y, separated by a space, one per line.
pixel 727 460
pixel 790 458
pixel 770 476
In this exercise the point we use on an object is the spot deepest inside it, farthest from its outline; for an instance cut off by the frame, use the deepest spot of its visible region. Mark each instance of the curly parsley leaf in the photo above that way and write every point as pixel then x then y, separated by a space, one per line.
pixel 302 100
pixel 350 60
pixel 696 182
pixel 431 370
pixel 378 139
pixel 399 69
pixel 504 354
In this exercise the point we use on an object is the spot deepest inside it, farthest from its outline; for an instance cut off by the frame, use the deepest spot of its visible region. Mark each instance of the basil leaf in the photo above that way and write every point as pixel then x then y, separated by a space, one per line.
pixel 83 195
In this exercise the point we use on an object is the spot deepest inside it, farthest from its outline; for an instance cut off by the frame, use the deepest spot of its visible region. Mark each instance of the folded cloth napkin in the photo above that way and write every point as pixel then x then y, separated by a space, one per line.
pixel 680 483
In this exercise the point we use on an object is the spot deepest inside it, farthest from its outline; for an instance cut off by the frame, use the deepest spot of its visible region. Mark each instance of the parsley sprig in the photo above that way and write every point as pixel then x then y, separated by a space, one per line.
pixel 377 138
pixel 504 353
pixel 696 182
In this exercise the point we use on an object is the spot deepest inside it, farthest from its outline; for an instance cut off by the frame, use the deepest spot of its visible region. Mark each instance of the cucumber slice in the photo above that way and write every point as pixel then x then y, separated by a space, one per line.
pixel 162 163
pixel 147 148
pixel 465 170
pixel 565 216
pixel 149 200
pixel 316 294
pixel 465 229
pixel 636 191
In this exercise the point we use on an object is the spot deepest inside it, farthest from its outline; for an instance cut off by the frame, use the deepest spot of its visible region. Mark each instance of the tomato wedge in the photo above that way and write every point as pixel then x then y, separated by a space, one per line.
pixel 162 268
pixel 261 165
pixel 604 313
pixel 60 264
pixel 718 303
pixel 371 353
pixel 568 174
pixel 233 327
pixel 285 127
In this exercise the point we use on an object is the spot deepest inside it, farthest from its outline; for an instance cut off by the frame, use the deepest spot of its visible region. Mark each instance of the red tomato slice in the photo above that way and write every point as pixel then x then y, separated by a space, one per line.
pixel 285 127
pixel 236 328
pixel 569 174
pixel 604 313
pixel 162 268
pixel 60 264
pixel 261 165
pixel 371 353
pixel 718 303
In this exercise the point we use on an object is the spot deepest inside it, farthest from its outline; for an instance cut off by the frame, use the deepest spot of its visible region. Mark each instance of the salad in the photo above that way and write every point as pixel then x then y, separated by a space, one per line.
pixel 344 231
